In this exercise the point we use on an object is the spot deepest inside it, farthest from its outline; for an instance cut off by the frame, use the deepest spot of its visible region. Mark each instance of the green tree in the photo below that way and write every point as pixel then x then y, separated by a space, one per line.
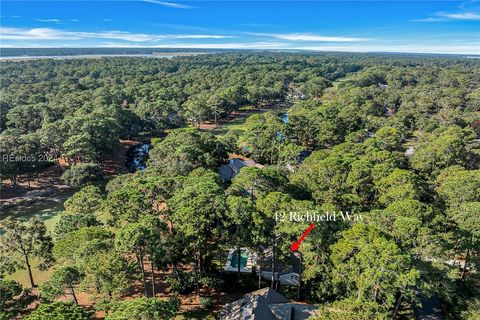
pixel 256 182
pixel 25 241
pixel 198 213
pixel 351 308
pixel 59 311
pixel 77 245
pixel 263 137
pixel 12 300
pixel 143 309
pixel 400 185
pixel 455 185
pixel 62 278
pixel 133 239
pixel 370 267
pixel 240 212
pixel 80 211
pixel 302 128
pixel 183 151
pixel 83 174
pixel 106 274
pixel 466 218
pixel 443 148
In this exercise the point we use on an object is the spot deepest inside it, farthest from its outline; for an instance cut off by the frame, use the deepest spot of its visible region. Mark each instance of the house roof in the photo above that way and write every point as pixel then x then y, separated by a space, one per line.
pixel 270 295
pixel 265 304
pixel 295 311
pixel 251 307
pixel 232 168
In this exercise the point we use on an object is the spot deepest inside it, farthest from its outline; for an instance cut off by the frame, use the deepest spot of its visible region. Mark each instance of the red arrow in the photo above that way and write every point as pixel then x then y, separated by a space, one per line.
pixel 296 244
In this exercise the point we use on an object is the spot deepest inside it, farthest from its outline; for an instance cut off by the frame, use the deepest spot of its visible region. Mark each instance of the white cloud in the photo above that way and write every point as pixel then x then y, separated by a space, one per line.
pixel 445 16
pixel 197 36
pixel 34 34
pixel 169 4
pixel 48 20
pixel 308 37
pixel 461 16
pixel 234 45
pixel 430 19
pixel 57 34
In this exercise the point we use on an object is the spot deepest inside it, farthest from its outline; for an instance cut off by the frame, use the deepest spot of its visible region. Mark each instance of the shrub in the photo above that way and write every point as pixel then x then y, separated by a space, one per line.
pixel 211 282
pixel 181 282
pixel 143 309
pixel 59 311
pixel 82 174
pixel 206 302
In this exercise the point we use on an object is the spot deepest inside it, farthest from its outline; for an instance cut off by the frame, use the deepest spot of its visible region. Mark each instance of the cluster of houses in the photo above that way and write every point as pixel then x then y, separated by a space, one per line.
pixel 266 303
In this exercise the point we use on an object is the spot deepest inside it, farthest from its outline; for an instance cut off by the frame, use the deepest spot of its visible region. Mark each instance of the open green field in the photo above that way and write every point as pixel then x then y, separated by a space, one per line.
pixel 238 123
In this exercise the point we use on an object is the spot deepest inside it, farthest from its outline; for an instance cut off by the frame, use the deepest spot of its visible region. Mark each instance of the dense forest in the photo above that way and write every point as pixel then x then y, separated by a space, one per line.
pixel 395 139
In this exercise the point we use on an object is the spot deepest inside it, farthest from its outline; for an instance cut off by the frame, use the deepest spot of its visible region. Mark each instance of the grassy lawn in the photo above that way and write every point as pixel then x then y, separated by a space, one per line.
pixel 237 124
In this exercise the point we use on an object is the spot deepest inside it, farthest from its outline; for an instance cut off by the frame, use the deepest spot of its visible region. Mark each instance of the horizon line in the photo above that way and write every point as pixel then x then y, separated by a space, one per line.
pixel 241 49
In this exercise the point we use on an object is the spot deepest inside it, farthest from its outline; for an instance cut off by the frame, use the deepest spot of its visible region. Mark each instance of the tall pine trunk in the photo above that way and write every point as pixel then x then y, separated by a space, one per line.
pixel 153 279
pixel 197 277
pixel 29 269
pixel 467 260
pixel 142 268
pixel 72 291
pixel 274 261
pixel 238 254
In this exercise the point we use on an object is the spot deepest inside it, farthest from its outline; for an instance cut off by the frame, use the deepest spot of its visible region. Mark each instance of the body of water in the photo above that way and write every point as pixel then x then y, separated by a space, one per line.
pixel 137 157
pixel 284 117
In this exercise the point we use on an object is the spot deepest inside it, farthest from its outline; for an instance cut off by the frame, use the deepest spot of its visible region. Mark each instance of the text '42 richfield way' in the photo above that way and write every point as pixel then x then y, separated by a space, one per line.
pixel 317 216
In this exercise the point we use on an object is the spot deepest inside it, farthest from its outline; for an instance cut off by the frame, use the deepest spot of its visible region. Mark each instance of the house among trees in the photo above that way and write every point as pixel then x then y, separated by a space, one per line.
pixel 286 273
pixel 232 168
pixel 266 304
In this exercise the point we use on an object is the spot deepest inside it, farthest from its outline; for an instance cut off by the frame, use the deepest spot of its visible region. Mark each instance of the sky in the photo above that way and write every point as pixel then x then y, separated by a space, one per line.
pixel 441 26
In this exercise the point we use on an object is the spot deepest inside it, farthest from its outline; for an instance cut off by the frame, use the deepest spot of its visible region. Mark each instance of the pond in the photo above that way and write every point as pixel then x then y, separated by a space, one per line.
pixel 137 156
pixel 284 117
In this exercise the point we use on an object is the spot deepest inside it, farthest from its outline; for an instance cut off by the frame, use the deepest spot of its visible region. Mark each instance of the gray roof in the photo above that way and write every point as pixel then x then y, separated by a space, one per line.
pixel 270 295
pixel 248 308
pixel 230 170
pixel 265 304
pixel 294 311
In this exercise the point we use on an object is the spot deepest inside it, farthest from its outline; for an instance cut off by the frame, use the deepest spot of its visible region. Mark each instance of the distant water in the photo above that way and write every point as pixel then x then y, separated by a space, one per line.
pixel 284 117
pixel 86 56
pixel 137 157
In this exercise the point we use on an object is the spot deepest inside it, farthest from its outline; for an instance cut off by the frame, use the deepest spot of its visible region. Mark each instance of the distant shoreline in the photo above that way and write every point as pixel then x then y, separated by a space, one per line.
pixel 25 54
pixel 101 55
